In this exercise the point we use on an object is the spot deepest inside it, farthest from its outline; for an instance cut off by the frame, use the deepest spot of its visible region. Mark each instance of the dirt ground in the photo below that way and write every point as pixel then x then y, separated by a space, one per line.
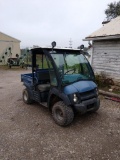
pixel 28 132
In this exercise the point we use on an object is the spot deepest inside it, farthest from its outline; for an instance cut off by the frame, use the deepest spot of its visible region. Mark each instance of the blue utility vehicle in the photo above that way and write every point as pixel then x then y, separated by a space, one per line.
pixel 63 81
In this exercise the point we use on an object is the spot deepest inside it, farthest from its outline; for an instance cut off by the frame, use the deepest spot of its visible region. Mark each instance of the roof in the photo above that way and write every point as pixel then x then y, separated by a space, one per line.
pixel 7 38
pixel 110 30
pixel 55 48
pixel 41 50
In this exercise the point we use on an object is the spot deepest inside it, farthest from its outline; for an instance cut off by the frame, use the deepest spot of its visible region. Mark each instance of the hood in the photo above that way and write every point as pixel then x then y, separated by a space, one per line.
pixel 81 86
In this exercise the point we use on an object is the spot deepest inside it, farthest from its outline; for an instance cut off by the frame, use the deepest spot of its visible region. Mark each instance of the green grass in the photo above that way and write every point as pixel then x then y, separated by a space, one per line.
pixel 5 67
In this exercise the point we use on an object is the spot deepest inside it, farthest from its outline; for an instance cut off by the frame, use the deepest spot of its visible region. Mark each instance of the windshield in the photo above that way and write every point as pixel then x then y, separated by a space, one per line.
pixel 72 67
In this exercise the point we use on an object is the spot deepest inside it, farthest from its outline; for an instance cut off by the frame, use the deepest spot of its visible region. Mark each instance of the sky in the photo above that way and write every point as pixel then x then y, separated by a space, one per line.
pixel 39 22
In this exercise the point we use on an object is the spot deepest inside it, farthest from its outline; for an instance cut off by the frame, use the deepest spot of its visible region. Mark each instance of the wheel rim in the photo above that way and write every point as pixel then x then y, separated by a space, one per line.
pixel 25 96
pixel 59 114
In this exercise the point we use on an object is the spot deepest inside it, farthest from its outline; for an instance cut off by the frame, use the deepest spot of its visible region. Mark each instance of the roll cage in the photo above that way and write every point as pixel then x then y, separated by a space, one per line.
pixel 47 53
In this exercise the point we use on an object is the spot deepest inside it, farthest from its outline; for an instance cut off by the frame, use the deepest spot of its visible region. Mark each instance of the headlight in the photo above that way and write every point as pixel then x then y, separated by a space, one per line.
pixel 75 98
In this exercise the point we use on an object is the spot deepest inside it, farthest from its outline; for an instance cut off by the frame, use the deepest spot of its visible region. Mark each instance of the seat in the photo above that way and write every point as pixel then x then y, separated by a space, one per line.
pixel 43 76
pixel 43 87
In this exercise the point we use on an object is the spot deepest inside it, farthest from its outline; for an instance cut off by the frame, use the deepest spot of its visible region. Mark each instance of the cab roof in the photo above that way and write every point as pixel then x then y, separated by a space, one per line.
pixel 41 50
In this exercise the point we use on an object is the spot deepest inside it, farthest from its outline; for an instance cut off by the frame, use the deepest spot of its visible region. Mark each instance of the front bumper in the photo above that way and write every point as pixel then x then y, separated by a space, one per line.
pixel 87 105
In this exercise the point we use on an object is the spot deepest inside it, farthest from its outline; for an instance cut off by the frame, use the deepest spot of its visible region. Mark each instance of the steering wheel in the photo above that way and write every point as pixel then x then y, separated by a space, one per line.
pixel 73 69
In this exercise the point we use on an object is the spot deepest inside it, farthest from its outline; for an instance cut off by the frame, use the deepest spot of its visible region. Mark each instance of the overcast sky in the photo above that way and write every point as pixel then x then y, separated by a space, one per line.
pixel 39 22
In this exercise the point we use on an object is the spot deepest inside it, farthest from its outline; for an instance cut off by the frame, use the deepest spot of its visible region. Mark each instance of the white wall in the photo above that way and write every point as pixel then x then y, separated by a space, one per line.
pixel 90 51
pixel 4 47
pixel 106 58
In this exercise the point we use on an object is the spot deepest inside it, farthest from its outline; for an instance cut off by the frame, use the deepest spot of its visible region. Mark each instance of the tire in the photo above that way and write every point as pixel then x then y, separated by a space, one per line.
pixel 63 115
pixel 26 97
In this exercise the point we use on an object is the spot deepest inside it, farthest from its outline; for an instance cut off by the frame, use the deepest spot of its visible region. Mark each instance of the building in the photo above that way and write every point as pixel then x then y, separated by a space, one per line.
pixel 9 47
pixel 106 49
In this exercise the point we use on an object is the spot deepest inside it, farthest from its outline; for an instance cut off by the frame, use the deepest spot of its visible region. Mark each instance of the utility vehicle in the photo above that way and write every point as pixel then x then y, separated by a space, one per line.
pixel 63 81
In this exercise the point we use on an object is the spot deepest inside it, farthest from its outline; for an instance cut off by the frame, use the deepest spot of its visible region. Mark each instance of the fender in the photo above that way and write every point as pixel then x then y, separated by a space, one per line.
pixel 54 92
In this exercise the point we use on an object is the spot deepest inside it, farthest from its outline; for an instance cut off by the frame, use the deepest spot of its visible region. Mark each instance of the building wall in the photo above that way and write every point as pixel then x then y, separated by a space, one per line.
pixel 106 58
pixel 90 51
pixel 4 50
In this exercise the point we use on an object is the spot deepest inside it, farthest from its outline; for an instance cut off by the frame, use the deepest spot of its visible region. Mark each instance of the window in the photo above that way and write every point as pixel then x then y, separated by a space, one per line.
pixel 72 66
pixel 39 59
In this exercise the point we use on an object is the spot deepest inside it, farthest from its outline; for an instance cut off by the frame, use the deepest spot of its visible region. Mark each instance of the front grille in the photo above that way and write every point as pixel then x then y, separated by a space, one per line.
pixel 88 95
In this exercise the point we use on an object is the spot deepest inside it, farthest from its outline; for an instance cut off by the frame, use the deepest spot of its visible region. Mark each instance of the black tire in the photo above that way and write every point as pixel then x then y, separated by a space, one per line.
pixel 63 115
pixel 26 97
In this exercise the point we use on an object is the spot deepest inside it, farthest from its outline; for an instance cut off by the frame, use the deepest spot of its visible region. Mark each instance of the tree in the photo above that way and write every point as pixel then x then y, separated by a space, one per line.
pixel 113 10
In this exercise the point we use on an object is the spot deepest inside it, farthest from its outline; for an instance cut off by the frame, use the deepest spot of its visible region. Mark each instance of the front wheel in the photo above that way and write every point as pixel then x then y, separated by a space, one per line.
pixel 26 97
pixel 63 115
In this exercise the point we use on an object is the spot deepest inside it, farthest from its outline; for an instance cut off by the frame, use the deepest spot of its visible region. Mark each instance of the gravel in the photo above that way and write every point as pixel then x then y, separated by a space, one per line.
pixel 28 132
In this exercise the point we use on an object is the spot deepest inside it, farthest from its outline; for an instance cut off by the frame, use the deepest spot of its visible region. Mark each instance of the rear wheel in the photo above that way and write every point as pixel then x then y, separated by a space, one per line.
pixel 26 97
pixel 63 115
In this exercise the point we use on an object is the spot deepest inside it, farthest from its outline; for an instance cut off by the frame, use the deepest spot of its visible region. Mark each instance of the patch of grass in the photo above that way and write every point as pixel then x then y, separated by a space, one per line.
pixel 116 92
pixel 5 67
pixel 104 83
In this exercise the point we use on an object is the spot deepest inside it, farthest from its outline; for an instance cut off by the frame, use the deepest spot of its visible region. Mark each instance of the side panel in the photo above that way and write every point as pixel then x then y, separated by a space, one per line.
pixel 27 80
